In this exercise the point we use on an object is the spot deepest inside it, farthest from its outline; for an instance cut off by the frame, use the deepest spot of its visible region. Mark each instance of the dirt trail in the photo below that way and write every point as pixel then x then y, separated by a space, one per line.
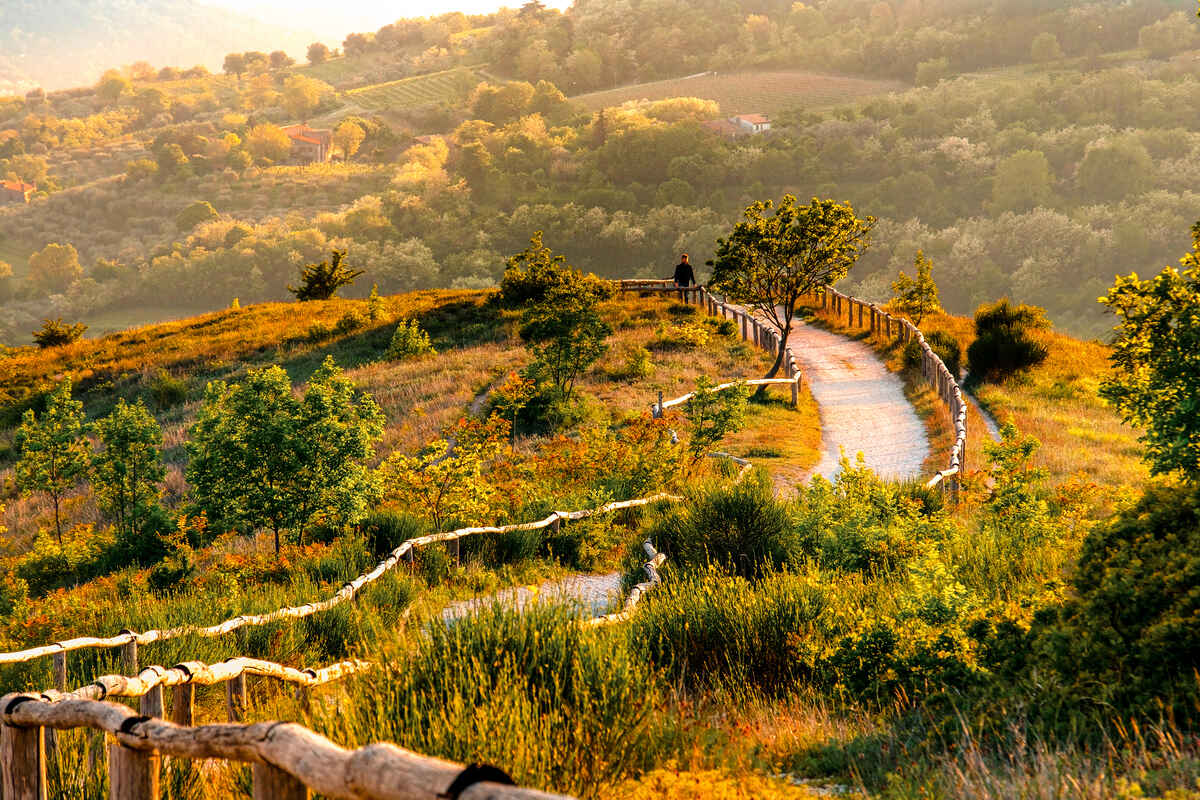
pixel 862 404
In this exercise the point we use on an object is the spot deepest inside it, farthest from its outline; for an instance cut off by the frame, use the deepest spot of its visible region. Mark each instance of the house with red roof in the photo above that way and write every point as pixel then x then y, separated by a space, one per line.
pixel 16 191
pixel 739 125
pixel 310 145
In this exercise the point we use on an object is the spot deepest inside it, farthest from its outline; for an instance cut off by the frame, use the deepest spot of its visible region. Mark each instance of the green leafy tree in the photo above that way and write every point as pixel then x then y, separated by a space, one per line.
pixel 194 214
pixel 1156 381
pixel 322 281
pixel 917 296
pixel 1112 170
pixel 302 95
pixel 713 415
pixel 409 341
pixel 261 457
pixel 445 481
pixel 55 267
pixel 532 274
pixel 267 142
pixel 566 335
pixel 1045 48
pixel 348 137
pixel 56 333
pixel 54 454
pixel 235 64
pixel 280 60
pixel 111 86
pixel 770 261
pixel 127 470
pixel 1004 342
pixel 317 53
pixel 1023 182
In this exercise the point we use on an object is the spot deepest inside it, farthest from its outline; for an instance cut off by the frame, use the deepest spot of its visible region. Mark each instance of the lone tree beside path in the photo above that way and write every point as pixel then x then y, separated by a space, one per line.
pixel 770 261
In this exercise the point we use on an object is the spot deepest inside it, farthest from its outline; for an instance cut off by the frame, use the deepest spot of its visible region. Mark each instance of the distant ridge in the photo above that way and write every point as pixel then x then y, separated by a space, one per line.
pixel 69 43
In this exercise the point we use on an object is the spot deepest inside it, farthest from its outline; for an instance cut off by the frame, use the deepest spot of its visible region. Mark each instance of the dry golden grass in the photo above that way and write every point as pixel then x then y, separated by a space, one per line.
pixel 1058 402
pixel 477 347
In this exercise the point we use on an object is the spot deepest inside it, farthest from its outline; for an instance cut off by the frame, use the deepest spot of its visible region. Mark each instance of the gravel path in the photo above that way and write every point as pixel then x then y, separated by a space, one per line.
pixel 862 404
pixel 592 593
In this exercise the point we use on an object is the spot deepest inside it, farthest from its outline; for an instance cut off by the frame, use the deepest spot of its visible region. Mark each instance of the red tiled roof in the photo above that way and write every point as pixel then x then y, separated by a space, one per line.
pixel 17 186
pixel 306 139
pixel 753 119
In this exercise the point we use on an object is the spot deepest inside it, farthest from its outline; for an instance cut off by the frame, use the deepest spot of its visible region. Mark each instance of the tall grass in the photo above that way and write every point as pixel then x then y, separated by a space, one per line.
pixel 533 693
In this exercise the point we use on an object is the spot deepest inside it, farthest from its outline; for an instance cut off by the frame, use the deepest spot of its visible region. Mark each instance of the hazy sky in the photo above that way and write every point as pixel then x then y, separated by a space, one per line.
pixel 335 20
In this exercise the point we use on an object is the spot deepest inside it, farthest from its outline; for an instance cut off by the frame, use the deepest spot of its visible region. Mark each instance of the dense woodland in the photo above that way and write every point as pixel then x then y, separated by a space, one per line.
pixel 1040 180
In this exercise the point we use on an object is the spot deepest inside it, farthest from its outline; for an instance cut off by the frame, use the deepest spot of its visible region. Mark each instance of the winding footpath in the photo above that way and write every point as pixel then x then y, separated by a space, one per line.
pixel 862 405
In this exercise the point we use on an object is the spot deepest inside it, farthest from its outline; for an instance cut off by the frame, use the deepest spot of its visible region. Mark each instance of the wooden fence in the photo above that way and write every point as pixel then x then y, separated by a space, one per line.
pixel 288 760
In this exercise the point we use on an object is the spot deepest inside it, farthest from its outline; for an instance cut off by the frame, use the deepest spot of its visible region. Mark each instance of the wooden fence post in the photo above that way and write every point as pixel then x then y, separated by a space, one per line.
pixel 743 315
pixel 132 774
pixel 151 703
pixel 23 757
pixel 183 704
pixel 849 313
pixel 129 654
pixel 235 697
pixel 860 313
pixel 272 783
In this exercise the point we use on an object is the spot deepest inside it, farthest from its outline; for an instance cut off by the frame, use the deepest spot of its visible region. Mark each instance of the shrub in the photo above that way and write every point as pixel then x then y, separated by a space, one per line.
pixel 635 363
pixel 193 215
pixel 534 274
pixel 743 528
pixel 170 574
pixel 1130 639
pixel 1003 342
pixel 409 341
pixel 166 390
pixel 321 281
pixel 349 323
pixel 861 523
pixel 384 531
pixel 682 336
pixel 55 333
pixel 716 626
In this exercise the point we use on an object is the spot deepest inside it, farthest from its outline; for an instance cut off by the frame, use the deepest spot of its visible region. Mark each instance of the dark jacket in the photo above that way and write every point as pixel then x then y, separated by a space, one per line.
pixel 684 275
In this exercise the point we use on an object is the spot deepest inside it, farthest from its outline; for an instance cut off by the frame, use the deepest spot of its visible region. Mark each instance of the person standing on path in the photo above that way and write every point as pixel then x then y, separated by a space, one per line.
pixel 684 277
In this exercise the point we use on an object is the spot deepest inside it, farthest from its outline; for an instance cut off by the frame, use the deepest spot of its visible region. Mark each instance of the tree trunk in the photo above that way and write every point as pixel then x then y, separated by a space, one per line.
pixel 783 340
pixel 57 522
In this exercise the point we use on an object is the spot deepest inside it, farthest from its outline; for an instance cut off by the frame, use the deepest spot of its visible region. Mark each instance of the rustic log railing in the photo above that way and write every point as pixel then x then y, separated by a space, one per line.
pixel 129 640
pixel 289 760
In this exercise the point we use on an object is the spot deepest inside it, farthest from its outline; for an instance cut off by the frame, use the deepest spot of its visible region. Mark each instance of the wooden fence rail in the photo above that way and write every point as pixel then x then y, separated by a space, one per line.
pixel 289 760
pixel 130 640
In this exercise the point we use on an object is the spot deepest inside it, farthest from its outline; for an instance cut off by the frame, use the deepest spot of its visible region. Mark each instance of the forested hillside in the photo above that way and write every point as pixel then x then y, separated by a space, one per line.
pixel 1070 158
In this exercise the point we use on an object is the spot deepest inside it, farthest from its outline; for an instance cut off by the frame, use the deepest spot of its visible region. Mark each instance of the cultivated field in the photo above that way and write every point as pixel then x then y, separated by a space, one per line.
pixel 449 86
pixel 748 92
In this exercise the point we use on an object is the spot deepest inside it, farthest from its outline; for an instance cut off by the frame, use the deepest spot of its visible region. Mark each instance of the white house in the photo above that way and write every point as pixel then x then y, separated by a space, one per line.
pixel 752 123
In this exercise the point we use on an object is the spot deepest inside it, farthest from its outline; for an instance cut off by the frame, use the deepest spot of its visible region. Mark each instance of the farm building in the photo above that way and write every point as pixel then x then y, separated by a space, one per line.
pixel 15 192
pixel 310 145
pixel 740 125
pixel 752 123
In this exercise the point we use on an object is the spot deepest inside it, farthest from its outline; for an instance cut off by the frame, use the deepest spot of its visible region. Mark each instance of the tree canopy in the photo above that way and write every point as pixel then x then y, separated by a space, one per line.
pixel 770 260
pixel 259 456
pixel 1156 355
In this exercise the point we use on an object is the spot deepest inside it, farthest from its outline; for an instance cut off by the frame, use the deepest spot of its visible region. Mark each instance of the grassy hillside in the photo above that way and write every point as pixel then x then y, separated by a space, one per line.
pixel 761 91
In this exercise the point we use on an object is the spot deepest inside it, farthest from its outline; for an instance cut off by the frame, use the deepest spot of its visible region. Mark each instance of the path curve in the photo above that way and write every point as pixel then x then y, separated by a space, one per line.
pixel 862 405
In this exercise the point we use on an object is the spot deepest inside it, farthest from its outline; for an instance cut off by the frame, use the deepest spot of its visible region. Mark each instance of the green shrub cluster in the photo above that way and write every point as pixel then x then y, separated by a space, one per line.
pixel 409 341
pixel 1004 342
